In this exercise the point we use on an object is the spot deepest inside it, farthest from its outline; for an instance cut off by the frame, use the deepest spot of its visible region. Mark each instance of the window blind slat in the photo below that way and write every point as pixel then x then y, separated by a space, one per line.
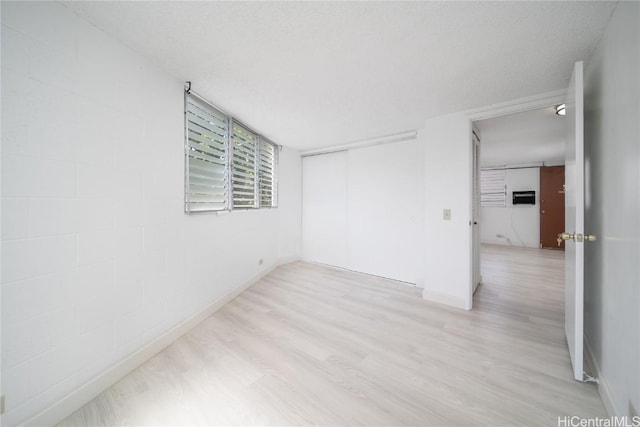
pixel 207 158
pixel 199 108
pixel 200 125
pixel 244 152
pixel 207 206
pixel 205 168
pixel 200 182
pixel 206 189
pixel 492 187
pixel 208 198
pixel 203 142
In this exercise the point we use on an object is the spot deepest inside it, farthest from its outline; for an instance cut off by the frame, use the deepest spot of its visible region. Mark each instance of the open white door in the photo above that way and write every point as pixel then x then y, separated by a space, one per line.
pixel 574 221
pixel 475 212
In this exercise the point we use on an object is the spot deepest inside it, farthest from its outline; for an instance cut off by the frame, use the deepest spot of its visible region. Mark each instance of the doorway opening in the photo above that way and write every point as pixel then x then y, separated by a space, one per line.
pixel 573 101
pixel 518 170
pixel 521 174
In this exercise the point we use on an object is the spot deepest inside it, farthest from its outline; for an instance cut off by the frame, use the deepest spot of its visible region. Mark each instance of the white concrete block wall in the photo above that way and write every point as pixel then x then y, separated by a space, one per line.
pixel 98 258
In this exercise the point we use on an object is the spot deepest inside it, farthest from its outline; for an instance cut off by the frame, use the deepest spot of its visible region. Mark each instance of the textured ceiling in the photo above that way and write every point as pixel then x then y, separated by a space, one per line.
pixel 313 74
pixel 532 136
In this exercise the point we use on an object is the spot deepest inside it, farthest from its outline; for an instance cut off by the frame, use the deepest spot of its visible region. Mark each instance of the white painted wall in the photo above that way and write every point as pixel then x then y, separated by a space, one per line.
pixel 447 259
pixel 363 209
pixel 1 392
pixel 289 205
pixel 98 258
pixel 519 224
pixel 612 272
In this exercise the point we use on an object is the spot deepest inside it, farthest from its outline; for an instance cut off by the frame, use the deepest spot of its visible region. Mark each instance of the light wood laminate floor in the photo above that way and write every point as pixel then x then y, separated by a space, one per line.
pixel 312 345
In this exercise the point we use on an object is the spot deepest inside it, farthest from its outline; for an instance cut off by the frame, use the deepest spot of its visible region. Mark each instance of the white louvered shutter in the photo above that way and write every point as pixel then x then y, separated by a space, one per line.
pixel 244 167
pixel 206 156
pixel 268 161
pixel 492 187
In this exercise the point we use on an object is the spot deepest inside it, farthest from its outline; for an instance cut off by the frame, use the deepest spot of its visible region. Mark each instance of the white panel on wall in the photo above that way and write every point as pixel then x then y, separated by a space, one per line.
pixel 517 225
pixel 386 210
pixel 324 209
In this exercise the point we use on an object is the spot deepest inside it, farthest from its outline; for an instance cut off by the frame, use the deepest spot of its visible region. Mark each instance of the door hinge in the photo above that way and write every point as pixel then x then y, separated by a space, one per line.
pixel 2 404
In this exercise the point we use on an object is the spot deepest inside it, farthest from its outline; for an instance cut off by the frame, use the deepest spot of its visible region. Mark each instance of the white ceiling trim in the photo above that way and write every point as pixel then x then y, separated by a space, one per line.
pixel 518 105
pixel 514 166
pixel 386 139
pixel 524 165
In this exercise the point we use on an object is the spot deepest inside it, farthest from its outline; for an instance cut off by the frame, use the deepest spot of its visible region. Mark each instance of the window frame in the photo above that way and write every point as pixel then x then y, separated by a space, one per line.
pixel 230 122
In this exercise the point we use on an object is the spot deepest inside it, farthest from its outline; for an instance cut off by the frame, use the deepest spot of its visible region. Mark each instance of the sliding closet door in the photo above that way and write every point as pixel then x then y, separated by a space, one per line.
pixel 324 209
pixel 386 210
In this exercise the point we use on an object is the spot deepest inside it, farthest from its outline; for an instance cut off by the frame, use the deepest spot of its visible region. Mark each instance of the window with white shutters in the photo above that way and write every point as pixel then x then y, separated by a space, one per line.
pixel 207 187
pixel 268 158
pixel 492 187
pixel 227 165
pixel 244 167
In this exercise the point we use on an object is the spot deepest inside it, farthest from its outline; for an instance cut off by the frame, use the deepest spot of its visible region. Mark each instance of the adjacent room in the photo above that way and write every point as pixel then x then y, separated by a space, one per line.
pixel 319 213
pixel 522 205
pixel 521 208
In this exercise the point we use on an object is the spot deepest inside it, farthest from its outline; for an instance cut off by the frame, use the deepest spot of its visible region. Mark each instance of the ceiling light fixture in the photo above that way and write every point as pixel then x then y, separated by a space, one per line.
pixel 561 109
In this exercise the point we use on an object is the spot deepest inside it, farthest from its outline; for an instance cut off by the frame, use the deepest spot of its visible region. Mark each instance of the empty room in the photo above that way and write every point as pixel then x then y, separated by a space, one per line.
pixel 277 213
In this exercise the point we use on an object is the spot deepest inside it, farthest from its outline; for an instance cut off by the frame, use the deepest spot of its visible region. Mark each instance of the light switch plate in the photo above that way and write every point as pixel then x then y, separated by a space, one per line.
pixel 446 214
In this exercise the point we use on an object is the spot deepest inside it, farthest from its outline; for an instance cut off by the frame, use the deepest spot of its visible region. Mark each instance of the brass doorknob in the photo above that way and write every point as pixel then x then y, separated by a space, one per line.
pixel 576 237
pixel 566 236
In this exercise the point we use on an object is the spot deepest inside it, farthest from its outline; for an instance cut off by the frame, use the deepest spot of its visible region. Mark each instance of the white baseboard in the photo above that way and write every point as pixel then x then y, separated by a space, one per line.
pixel 86 392
pixel 336 267
pixel 451 300
pixel 288 260
pixel 604 389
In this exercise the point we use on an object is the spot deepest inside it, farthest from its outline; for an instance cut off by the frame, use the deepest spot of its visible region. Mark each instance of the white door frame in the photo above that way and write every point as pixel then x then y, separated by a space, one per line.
pixel 496 110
